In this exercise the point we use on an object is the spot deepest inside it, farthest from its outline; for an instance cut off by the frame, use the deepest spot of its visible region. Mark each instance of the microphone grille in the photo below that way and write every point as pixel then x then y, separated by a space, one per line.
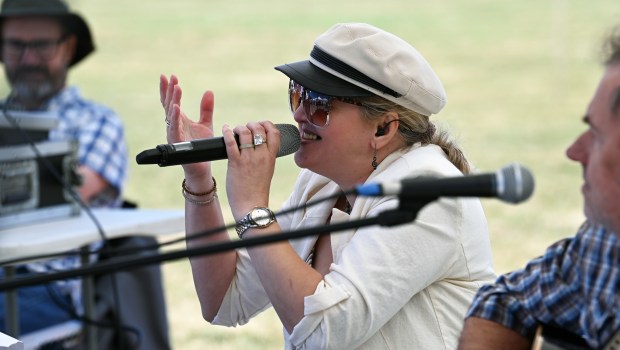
pixel 516 183
pixel 289 139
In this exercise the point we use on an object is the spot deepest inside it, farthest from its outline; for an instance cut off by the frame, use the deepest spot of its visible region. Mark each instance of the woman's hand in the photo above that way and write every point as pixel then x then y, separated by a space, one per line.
pixel 180 128
pixel 250 168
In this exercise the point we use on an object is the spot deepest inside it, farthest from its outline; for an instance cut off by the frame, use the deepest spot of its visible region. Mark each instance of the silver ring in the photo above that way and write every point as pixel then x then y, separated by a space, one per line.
pixel 246 145
pixel 259 139
pixel 167 122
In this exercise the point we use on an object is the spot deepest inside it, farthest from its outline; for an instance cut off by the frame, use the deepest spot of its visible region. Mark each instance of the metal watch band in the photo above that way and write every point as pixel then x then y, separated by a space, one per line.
pixel 247 221
pixel 242 226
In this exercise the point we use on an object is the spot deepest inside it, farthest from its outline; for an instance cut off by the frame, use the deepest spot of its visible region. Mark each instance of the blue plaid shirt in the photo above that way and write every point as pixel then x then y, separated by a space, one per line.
pixel 573 286
pixel 99 132
pixel 102 148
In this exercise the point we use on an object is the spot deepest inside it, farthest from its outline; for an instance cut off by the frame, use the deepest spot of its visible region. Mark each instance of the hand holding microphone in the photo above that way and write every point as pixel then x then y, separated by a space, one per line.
pixel 201 149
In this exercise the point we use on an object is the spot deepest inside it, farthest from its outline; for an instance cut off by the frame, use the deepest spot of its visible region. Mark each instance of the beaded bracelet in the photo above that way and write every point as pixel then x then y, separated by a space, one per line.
pixel 185 192
pixel 214 189
pixel 193 201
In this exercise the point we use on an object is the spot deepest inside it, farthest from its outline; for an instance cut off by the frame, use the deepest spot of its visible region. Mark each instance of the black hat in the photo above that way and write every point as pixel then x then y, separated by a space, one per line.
pixel 74 23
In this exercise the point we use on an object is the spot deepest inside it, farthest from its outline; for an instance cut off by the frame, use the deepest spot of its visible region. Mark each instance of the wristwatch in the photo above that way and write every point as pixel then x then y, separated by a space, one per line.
pixel 259 217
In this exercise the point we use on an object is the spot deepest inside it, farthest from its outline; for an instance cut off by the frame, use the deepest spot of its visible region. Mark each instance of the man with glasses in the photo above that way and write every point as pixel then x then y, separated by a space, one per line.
pixel 41 41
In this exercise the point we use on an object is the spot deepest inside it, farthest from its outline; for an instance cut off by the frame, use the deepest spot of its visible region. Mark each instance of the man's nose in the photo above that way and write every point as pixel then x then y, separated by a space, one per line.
pixel 30 55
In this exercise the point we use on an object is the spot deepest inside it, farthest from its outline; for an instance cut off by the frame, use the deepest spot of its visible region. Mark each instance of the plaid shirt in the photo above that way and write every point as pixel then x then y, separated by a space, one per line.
pixel 99 132
pixel 573 286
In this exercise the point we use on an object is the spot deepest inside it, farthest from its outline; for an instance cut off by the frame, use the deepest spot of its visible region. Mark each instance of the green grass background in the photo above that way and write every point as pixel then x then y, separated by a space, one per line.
pixel 519 75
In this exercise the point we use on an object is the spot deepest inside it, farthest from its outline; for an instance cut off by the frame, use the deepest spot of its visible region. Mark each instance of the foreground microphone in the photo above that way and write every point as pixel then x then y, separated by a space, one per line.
pixel 513 183
pixel 205 150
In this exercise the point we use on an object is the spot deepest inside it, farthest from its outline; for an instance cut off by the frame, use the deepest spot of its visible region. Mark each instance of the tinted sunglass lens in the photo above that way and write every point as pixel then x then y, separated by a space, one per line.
pixel 295 93
pixel 317 110
pixel 315 105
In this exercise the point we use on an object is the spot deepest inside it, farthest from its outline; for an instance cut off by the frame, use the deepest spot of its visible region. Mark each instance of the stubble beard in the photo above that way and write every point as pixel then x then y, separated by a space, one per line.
pixel 34 93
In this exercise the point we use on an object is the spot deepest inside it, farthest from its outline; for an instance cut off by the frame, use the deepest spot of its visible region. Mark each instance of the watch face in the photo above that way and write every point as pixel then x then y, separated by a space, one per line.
pixel 261 216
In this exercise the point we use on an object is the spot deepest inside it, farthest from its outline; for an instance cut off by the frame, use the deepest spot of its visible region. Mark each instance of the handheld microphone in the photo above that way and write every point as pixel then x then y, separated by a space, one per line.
pixel 205 150
pixel 512 183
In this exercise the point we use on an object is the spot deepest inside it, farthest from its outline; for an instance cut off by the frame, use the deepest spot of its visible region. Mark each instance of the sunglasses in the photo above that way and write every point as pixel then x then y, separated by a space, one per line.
pixel 316 105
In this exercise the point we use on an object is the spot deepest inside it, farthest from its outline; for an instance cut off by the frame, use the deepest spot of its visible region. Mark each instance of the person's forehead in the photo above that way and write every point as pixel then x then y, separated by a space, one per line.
pixel 614 88
pixel 607 119
pixel 611 79
pixel 31 26
pixel 606 92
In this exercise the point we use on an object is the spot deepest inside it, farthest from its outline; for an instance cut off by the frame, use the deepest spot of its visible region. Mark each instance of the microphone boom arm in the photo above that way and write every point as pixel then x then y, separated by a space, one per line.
pixel 388 218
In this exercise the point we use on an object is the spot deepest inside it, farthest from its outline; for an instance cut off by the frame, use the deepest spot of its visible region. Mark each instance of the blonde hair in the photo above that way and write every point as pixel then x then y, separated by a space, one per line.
pixel 414 127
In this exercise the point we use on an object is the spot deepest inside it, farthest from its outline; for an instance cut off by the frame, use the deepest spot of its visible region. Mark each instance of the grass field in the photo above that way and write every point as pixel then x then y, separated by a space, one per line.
pixel 519 75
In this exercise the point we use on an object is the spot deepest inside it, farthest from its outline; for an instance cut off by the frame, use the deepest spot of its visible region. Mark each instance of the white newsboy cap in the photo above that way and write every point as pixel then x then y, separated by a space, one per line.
pixel 358 60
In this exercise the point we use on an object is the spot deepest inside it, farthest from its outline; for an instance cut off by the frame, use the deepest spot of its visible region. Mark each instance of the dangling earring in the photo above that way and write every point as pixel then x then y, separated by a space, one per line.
pixel 374 159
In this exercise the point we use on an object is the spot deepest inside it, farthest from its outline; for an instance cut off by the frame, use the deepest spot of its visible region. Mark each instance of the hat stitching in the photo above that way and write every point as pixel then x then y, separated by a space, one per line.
pixel 437 98
pixel 400 72
pixel 413 83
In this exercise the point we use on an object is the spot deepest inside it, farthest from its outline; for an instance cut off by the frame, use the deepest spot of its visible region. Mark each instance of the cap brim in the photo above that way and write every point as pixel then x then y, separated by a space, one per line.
pixel 316 79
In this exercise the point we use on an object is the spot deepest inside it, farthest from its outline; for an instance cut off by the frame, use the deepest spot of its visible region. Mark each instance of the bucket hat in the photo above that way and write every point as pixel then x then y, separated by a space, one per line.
pixel 74 23
pixel 358 60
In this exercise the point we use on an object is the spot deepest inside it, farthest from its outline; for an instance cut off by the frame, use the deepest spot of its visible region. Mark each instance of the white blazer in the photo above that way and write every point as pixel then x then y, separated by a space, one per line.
pixel 401 287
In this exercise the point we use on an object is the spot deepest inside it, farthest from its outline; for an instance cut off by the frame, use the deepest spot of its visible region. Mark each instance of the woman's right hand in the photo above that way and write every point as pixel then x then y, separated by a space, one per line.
pixel 180 128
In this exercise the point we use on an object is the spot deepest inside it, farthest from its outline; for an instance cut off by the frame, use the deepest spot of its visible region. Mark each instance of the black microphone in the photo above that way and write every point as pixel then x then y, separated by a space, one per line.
pixel 513 183
pixel 205 150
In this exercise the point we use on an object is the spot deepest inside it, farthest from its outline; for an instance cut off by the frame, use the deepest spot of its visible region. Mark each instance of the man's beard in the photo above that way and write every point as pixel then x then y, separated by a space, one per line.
pixel 34 93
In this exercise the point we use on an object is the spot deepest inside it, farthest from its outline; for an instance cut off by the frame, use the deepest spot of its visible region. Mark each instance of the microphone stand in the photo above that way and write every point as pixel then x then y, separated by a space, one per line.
pixel 406 212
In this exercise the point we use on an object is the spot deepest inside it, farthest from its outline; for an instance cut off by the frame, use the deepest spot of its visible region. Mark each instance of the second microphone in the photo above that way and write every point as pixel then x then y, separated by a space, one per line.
pixel 205 150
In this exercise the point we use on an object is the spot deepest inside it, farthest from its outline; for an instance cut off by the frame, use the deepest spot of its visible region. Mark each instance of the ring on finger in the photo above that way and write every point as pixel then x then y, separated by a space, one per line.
pixel 259 139
pixel 246 145
pixel 167 122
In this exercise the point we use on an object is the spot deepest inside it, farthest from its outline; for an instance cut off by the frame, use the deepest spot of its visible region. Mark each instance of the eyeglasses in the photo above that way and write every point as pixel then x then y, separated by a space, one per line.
pixel 316 105
pixel 44 49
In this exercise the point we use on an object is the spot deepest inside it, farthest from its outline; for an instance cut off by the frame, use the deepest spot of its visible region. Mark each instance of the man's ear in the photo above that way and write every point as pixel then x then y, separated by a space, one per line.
pixel 70 48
